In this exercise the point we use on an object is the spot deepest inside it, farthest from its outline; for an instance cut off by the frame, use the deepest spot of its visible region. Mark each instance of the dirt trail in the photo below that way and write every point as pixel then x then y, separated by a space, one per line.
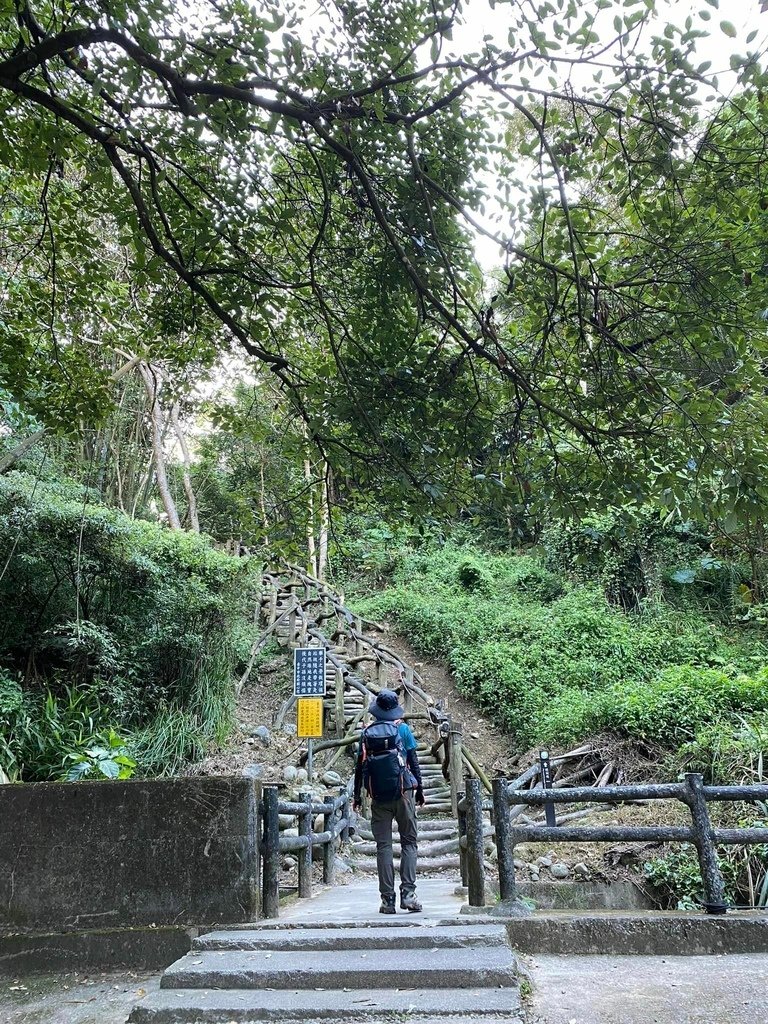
pixel 491 747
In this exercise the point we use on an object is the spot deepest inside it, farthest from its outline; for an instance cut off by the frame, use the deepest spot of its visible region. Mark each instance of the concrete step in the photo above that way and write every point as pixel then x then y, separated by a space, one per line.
pixel 425 1005
pixel 301 969
pixel 321 939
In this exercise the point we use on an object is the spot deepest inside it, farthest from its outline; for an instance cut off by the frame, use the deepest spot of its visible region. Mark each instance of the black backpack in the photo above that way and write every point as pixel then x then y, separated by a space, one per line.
pixel 385 774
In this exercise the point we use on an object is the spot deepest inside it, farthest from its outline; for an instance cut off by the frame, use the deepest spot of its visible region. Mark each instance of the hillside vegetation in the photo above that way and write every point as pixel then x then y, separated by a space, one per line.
pixel 119 638
pixel 651 638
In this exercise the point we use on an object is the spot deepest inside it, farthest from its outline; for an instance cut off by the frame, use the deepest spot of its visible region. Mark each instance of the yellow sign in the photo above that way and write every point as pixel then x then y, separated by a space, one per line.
pixel 309 718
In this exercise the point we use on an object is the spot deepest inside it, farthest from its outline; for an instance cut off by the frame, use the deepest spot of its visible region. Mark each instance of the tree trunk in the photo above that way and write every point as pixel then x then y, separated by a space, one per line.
pixel 187 462
pixel 325 520
pixel 263 502
pixel 152 385
pixel 7 460
pixel 311 545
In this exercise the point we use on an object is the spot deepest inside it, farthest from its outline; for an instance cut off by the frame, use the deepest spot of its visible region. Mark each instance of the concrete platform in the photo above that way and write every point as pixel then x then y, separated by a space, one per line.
pixel 648 990
pixel 70 997
pixel 419 1004
pixel 359 901
pixel 341 969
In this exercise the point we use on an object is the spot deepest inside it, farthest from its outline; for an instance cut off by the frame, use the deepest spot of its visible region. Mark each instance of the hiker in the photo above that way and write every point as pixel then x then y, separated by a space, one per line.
pixel 388 767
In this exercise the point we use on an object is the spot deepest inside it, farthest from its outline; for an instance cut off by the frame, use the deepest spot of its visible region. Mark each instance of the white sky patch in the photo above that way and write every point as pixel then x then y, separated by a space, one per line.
pixel 484 21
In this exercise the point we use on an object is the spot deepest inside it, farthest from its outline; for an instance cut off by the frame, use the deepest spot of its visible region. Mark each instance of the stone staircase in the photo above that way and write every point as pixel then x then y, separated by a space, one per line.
pixel 428 971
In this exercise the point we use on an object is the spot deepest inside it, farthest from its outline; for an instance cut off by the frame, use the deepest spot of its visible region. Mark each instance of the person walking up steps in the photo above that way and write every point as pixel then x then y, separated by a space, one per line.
pixel 388 767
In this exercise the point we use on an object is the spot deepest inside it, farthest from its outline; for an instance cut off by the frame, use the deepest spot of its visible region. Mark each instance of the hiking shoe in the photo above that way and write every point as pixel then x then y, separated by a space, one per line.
pixel 411 904
pixel 387 905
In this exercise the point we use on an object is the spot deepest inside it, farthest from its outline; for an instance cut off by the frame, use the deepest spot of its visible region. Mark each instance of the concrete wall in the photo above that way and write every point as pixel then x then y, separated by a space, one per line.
pixel 109 854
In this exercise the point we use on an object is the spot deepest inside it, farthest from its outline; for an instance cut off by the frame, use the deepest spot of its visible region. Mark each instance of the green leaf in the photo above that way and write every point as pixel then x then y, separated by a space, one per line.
pixel 728 28
pixel 108 768
pixel 684 576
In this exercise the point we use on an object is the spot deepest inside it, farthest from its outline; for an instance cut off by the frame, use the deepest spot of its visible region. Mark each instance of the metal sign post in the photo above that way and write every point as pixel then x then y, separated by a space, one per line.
pixel 309 688
pixel 546 781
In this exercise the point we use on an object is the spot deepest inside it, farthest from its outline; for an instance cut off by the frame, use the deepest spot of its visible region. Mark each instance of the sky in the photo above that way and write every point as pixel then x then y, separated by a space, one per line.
pixel 484 18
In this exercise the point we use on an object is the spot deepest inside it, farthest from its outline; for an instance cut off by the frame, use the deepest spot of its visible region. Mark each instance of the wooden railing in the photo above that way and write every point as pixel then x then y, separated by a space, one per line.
pixel 507 798
pixel 310 606
pixel 336 822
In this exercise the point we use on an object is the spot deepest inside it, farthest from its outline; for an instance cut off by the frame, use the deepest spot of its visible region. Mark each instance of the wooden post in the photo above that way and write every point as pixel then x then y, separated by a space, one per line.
pixel 346 810
pixel 408 695
pixel 462 824
pixel 339 685
pixel 341 627
pixel 475 842
pixel 505 850
pixel 329 849
pixel 305 854
pixel 357 646
pixel 271 855
pixel 455 766
pixel 292 629
pixel 272 613
pixel 381 673
pixel 302 628
pixel 714 887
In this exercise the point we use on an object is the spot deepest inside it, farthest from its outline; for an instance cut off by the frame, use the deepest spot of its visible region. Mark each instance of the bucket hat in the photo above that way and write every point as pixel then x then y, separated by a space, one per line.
pixel 386 707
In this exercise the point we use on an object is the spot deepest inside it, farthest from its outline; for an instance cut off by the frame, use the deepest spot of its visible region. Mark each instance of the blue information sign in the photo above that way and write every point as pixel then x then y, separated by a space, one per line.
pixel 309 672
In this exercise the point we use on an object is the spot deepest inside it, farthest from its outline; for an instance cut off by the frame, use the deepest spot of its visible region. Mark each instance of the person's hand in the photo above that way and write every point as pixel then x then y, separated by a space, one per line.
pixel 420 797
pixel 357 805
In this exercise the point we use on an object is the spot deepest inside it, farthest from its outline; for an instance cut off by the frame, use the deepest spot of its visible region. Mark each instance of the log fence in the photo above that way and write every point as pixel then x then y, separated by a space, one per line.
pixel 296 610
pixel 508 797
pixel 336 822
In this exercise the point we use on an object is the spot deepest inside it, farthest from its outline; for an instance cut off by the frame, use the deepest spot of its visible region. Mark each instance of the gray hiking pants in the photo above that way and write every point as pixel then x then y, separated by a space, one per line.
pixel 403 811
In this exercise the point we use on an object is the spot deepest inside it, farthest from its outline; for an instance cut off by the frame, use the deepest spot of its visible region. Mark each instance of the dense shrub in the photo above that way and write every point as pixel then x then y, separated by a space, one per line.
pixel 633 556
pixel 142 619
pixel 45 736
pixel 552 660
pixel 679 701
pixel 676 876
